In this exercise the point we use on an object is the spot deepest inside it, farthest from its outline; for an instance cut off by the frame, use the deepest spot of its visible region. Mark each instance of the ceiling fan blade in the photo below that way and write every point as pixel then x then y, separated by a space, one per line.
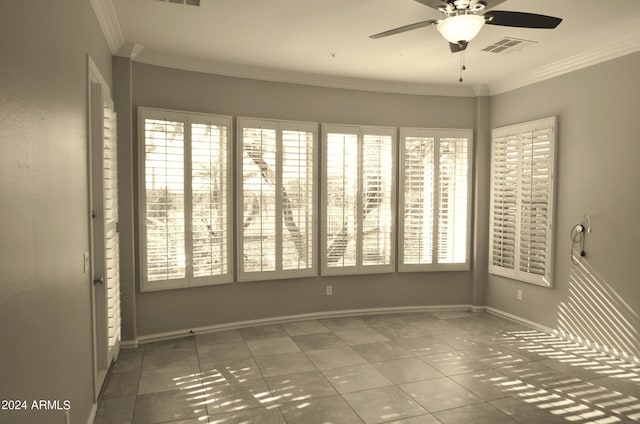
pixel 404 28
pixel 458 47
pixel 521 19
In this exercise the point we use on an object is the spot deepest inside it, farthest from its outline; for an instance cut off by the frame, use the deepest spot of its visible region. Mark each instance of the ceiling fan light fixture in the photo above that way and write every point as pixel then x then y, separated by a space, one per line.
pixel 461 27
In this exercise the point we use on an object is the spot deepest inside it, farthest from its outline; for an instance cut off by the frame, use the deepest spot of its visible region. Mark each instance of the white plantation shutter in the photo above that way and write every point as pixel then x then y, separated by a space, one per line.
pixel 504 203
pixel 453 199
pixel 276 199
pixel 210 197
pixel 164 162
pixel 416 200
pixel 185 202
pixel 259 200
pixel 359 199
pixel 341 197
pixel 377 209
pixel 535 201
pixel 110 202
pixel 435 178
pixel 298 199
pixel 522 193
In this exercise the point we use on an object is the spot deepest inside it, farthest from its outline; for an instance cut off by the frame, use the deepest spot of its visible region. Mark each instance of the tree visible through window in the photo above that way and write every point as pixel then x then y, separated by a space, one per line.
pixel 186 199
pixel 434 202
pixel 359 196
pixel 277 200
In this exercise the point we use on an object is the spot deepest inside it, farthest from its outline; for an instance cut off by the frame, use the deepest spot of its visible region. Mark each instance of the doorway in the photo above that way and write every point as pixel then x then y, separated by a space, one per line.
pixel 103 204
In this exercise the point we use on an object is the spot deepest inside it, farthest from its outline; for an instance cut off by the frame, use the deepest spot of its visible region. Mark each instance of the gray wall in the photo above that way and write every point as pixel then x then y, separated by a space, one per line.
pixel 597 174
pixel 190 91
pixel 45 319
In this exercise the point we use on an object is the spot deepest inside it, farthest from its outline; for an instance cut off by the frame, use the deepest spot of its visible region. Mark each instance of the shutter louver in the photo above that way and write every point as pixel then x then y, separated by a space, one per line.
pixel 452 198
pixel 297 200
pixel 418 162
pixel 522 201
pixel 165 208
pixel 534 204
pixel 209 193
pixel 259 199
pixel 342 199
pixel 376 202
pixel 277 200
pixel 504 208
pixel 434 205
pixel 186 202
pixel 112 260
pixel 359 196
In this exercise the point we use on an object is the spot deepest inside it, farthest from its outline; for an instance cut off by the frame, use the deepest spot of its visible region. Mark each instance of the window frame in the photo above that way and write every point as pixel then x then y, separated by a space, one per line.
pixel 360 131
pixel 279 126
pixel 517 130
pixel 187 118
pixel 437 134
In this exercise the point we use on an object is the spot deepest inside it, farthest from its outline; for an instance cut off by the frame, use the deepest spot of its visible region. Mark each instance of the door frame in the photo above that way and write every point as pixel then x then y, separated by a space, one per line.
pixel 98 92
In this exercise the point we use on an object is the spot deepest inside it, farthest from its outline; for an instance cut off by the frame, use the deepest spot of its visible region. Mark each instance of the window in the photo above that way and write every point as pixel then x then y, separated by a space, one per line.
pixel 522 192
pixel 276 199
pixel 358 199
pixel 184 199
pixel 435 193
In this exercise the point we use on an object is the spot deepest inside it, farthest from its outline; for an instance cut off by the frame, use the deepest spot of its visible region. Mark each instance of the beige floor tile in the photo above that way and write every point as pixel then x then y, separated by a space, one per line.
pixel 305 327
pixel 440 394
pixel 299 387
pixel 407 370
pixel 382 405
pixel 325 410
pixel 283 364
pixel 355 378
pixel 335 358
pixel 272 346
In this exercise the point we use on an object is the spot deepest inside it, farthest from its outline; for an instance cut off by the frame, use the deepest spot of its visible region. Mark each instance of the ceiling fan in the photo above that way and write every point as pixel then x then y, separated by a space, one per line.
pixel 463 20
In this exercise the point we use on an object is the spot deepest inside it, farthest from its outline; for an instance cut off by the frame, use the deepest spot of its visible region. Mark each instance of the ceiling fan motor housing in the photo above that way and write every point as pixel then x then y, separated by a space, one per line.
pixel 458 7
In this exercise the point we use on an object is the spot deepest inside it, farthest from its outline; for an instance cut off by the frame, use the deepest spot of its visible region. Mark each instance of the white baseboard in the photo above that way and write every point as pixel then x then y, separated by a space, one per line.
pixel 519 320
pixel 564 335
pixel 372 311
pixel 129 344
pixel 301 317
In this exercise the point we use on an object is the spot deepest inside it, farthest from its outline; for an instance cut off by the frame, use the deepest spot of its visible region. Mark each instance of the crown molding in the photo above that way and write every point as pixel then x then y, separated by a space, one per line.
pixel 108 20
pixel 569 64
pixel 129 50
pixel 319 80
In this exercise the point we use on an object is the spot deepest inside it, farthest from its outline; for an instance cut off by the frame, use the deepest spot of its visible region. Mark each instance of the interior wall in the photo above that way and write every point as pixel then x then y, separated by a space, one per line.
pixel 597 175
pixel 45 315
pixel 184 309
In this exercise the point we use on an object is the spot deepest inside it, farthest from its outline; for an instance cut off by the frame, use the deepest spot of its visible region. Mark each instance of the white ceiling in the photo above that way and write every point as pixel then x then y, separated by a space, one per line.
pixel 327 42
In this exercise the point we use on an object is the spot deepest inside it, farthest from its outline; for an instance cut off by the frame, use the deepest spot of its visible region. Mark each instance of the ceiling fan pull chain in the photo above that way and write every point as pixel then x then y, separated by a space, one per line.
pixel 462 67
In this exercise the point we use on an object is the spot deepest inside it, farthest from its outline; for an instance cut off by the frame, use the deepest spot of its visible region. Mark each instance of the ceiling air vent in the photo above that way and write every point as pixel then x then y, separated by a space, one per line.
pixel 197 3
pixel 508 45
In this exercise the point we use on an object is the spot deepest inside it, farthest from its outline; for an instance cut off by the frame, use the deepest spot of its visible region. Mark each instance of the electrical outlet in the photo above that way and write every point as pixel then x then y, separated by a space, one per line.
pixel 519 295
pixel 329 290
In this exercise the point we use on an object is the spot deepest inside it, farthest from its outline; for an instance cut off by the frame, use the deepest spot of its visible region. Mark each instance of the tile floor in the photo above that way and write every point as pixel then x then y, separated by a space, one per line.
pixel 411 368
